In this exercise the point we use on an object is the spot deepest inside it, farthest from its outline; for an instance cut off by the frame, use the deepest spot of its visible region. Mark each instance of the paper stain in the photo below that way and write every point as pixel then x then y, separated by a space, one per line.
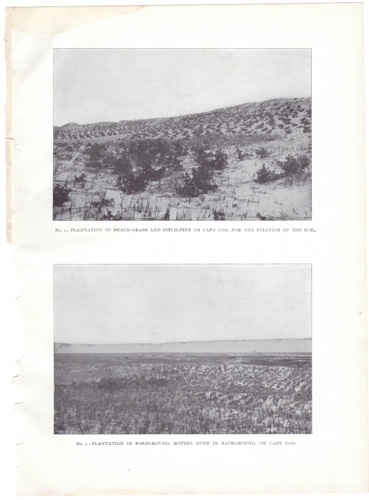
pixel 9 142
pixel 52 20
pixel 42 21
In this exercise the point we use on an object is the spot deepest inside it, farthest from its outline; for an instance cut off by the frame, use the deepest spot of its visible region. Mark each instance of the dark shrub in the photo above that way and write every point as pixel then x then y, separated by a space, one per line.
pixel 122 164
pixel 264 175
pixel 166 216
pixel 294 164
pixel 130 182
pixel 210 160
pixel 240 154
pixel 95 152
pixel 219 214
pixel 198 183
pixel 61 195
pixel 262 153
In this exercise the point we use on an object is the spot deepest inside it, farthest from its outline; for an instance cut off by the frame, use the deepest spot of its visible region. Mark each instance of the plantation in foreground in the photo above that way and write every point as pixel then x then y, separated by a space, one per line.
pixel 183 394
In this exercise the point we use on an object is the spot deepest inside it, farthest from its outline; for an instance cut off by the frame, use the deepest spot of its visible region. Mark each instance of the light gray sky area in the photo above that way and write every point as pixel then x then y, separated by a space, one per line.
pixel 94 85
pixel 172 303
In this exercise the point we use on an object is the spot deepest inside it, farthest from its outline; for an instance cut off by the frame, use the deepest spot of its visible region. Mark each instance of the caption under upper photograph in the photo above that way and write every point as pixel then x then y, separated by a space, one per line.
pixel 182 134
pixel 182 349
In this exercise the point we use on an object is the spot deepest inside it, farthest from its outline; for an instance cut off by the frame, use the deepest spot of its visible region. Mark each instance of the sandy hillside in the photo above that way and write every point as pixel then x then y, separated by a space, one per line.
pixel 205 166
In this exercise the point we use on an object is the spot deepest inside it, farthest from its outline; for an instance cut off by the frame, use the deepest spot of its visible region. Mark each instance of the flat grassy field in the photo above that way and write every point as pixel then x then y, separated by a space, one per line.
pixel 183 393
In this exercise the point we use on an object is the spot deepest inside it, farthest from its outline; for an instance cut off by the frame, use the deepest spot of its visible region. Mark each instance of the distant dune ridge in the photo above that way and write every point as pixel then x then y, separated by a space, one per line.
pixel 235 346
pixel 274 116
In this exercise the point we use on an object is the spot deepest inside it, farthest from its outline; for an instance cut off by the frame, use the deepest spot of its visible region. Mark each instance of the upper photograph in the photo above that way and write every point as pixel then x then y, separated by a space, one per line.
pixel 182 135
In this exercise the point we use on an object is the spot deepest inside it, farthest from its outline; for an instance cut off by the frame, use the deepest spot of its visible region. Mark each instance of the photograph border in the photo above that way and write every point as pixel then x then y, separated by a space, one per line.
pixel 148 436
pixel 179 49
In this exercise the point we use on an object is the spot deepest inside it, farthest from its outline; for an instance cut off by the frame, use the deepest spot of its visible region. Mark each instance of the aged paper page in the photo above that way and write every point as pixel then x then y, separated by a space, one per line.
pixel 186 204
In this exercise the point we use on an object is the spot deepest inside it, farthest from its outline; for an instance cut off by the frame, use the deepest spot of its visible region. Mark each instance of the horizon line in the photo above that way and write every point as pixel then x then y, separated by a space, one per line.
pixel 179 341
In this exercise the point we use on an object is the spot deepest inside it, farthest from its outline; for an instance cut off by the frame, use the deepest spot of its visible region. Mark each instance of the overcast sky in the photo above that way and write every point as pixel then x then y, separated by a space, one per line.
pixel 155 303
pixel 92 85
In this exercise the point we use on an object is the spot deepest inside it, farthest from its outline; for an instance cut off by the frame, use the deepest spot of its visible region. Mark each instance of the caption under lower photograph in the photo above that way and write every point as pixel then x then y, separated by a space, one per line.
pixel 182 349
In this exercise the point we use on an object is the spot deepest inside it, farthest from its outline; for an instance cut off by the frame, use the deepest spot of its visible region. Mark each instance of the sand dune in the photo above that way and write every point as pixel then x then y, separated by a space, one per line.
pixel 236 346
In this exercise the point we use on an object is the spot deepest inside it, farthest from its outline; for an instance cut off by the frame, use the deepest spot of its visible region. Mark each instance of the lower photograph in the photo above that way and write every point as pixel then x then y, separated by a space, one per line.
pixel 183 349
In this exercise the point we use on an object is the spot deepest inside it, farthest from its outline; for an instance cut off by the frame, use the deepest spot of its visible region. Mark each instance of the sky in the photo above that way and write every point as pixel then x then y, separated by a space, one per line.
pixel 176 303
pixel 93 85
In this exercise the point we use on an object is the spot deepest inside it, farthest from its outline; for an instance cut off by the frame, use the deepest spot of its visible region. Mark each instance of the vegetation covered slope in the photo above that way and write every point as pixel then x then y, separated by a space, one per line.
pixel 251 161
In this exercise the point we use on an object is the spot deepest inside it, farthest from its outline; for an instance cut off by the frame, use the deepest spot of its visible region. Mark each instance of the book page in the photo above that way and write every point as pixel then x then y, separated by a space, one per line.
pixel 186 204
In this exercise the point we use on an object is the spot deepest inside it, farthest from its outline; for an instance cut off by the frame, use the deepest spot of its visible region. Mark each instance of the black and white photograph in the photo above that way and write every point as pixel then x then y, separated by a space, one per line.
pixel 182 349
pixel 186 249
pixel 182 134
